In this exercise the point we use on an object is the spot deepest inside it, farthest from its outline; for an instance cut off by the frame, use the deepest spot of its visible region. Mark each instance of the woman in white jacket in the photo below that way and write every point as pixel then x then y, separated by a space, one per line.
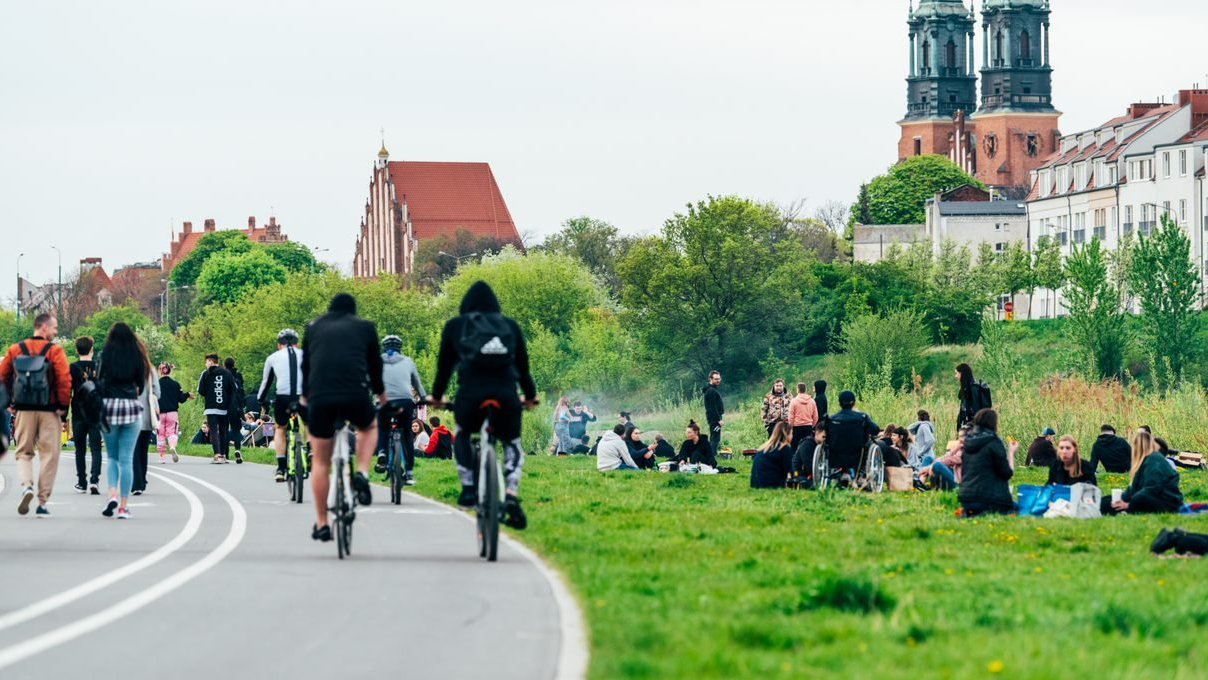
pixel 924 440
pixel 612 453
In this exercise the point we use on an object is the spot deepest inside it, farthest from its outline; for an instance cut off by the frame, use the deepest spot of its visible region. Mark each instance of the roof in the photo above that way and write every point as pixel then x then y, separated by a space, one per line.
pixel 1199 134
pixel 444 197
pixel 982 208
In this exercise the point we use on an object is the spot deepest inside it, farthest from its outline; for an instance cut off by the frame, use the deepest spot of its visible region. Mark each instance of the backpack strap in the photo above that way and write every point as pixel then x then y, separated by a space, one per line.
pixel 293 371
pixel 46 349
pixel 24 349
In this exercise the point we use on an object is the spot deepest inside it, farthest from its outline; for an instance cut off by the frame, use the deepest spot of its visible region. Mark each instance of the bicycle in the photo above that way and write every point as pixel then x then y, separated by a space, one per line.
pixel 490 485
pixel 295 451
pixel 398 465
pixel 341 502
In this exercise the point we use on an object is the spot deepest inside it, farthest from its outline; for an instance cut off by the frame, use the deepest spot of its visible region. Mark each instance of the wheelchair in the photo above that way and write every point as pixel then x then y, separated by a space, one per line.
pixel 868 475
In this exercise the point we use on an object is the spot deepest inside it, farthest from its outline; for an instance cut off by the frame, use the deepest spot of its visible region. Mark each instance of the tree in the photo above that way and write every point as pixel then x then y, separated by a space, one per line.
pixel 1047 269
pixel 718 288
pixel 817 238
pixel 232 242
pixel 98 324
pixel 228 277
pixel 438 258
pixel 899 196
pixel 834 214
pixel 1163 276
pixel 294 256
pixel 595 243
pixel 1097 321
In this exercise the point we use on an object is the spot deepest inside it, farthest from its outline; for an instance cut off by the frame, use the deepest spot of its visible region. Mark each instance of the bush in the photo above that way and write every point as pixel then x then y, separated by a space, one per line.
pixel 882 350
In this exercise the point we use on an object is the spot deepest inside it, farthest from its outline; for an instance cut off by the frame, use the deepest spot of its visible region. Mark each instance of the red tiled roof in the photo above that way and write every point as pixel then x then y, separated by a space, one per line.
pixel 1199 134
pixel 444 197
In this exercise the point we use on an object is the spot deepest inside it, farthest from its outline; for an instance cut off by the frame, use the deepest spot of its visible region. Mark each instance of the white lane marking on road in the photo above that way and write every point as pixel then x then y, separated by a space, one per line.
pixel 196 513
pixel 2 483
pixel 41 643
pixel 572 655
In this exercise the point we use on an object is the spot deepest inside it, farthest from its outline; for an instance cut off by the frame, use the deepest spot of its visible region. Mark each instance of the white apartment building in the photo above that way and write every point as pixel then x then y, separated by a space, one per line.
pixel 1116 179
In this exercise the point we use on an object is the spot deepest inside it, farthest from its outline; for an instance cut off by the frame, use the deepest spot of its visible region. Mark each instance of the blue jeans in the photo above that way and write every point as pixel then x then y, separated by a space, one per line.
pixel 623 466
pixel 943 474
pixel 119 441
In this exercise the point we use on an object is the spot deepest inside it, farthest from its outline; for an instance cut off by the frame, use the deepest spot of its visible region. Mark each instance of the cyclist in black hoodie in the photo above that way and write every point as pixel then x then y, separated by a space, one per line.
pixel 488 368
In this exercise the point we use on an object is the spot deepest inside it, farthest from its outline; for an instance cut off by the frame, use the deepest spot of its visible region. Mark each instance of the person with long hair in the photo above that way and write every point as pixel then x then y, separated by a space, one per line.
pixel 899 437
pixel 420 434
pixel 968 395
pixel 922 444
pixel 1070 468
pixel 562 443
pixel 773 463
pixel 988 468
pixel 1154 485
pixel 695 448
pixel 124 371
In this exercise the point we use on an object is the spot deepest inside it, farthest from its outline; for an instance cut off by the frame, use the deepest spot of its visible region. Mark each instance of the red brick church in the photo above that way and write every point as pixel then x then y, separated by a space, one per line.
pixel 413 201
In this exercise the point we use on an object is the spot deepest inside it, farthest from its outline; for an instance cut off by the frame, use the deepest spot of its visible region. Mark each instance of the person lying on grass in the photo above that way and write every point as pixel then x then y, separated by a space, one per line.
pixel 947 469
pixel 1070 468
pixel 1155 484
pixel 695 448
pixel 988 468
pixel 774 461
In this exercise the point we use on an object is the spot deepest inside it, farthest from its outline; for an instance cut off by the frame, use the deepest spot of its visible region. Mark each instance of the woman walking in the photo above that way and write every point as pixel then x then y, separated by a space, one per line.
pixel 124 372
pixel 562 443
pixel 171 396
pixel 973 396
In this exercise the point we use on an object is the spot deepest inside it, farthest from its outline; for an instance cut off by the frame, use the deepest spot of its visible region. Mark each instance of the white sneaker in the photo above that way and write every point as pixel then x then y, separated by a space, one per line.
pixel 162 459
pixel 27 497
pixel 123 513
pixel 175 457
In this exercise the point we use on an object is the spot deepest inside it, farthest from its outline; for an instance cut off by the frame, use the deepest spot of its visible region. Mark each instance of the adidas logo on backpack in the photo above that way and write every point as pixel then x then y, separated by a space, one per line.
pixel 495 346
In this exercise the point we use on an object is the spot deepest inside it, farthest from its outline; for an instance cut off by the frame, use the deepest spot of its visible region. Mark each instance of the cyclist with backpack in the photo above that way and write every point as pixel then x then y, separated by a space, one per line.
pixel 489 352
pixel 85 435
pixel 38 377
pixel 284 369
pixel 401 378
pixel 974 396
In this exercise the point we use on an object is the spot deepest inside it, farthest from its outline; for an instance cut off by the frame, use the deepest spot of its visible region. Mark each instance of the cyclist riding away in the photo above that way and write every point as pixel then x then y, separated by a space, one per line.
pixel 400 376
pixel 283 367
pixel 341 363
pixel 490 355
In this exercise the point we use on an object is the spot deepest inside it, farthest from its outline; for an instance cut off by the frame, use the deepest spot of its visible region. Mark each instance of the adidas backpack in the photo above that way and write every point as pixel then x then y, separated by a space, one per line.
pixel 486 341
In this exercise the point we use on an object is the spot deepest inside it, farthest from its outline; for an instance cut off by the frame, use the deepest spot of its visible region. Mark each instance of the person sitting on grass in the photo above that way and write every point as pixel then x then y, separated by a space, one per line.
pixel 203 435
pixel 662 447
pixel 695 449
pixel 899 438
pixel 946 470
pixel 440 441
pixel 1155 485
pixel 641 452
pixel 1111 450
pixel 1070 468
pixel 803 458
pixel 988 466
pixel 774 461
pixel 923 440
pixel 612 453
pixel 1042 452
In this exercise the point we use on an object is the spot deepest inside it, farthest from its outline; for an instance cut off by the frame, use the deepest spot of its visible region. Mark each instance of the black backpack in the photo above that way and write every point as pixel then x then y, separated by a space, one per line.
pixel 982 397
pixel 486 341
pixel 92 405
pixel 31 382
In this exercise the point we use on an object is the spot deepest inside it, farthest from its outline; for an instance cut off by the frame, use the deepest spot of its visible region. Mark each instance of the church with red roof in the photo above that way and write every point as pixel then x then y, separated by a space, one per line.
pixel 414 201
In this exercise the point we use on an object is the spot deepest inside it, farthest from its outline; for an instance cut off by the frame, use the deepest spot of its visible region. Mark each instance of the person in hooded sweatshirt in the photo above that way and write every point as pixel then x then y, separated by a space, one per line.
pixel 988 468
pixel 216 388
pixel 803 414
pixel 612 453
pixel 401 377
pixel 488 351
pixel 820 398
pixel 922 444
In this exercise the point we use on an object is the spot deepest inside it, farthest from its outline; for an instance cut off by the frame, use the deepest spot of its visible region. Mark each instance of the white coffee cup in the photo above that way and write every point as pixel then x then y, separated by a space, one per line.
pixel 1117 495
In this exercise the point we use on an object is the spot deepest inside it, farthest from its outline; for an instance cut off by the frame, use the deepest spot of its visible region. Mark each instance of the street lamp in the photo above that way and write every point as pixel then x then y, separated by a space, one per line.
pixel 59 308
pixel 166 302
pixel 19 285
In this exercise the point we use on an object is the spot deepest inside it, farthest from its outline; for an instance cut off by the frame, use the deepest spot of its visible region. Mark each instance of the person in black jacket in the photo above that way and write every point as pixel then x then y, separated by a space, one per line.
pixel 1111 450
pixel 715 411
pixel 488 368
pixel 803 458
pixel 1070 468
pixel 987 469
pixel 341 365
pixel 695 449
pixel 972 396
pixel 848 434
pixel 774 462
pixel 1155 483
pixel 171 396
pixel 820 399
pixel 641 452
pixel 83 434
pixel 662 447
pixel 238 407
pixel 1042 453
pixel 217 389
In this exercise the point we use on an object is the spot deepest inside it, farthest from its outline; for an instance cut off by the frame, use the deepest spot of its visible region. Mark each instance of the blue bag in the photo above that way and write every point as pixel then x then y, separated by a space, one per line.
pixel 1034 500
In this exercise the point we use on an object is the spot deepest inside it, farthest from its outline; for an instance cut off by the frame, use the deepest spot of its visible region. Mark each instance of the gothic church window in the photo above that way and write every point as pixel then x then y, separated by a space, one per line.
pixel 950 60
pixel 1033 144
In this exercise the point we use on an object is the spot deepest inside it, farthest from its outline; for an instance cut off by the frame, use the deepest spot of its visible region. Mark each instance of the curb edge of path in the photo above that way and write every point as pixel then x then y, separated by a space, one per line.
pixel 572 647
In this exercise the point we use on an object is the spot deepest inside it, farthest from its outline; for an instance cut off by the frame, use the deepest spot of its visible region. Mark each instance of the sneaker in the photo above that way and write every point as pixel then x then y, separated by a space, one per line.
pixel 42 511
pixel 81 488
pixel 217 460
pixel 175 456
pixel 513 514
pixel 380 466
pixel 27 497
pixel 162 459
pixel 123 513
pixel 280 476
pixel 137 492
pixel 468 497
pixel 224 460
pixel 93 490
pixel 1167 538
pixel 360 484
pixel 110 507
pixel 238 457
pixel 322 534
pixel 409 480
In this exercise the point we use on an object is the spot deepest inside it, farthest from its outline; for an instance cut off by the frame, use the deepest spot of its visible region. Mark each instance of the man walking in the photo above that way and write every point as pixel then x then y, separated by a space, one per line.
pixel 37 375
pixel 715 410
pixel 84 435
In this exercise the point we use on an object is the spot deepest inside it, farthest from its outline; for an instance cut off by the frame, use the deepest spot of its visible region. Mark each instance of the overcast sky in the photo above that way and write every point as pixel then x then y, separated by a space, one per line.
pixel 119 120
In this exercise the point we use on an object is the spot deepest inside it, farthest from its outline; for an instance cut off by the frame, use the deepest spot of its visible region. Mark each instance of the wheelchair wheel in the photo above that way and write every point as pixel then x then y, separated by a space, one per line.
pixel 874 470
pixel 821 470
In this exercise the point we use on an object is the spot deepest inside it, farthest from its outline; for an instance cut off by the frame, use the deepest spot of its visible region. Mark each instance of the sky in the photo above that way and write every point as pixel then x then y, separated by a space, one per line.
pixel 120 120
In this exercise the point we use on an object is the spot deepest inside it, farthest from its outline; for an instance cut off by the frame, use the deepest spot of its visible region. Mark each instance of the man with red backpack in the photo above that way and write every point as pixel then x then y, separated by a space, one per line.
pixel 37 375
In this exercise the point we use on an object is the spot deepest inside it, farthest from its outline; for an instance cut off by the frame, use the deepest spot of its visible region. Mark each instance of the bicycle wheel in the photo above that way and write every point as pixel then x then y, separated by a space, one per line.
pixel 338 473
pixel 491 507
pixel 299 471
pixel 398 470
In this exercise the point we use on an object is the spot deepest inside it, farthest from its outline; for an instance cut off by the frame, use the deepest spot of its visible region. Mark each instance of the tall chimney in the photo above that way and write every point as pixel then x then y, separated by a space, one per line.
pixel 251 223
pixel 209 225
pixel 188 227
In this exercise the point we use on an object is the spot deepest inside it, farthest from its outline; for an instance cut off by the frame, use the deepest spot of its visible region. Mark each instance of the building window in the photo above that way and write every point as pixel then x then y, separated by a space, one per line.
pixel 950 54
pixel 1000 247
pixel 1165 164
pixel 998 48
pixel 1063 237
pixel 926 57
pixel 997 226
pixel 1025 46
pixel 1100 233
pixel 1183 162
pixel 1033 144
pixel 1079 236
pixel 1183 210
pixel 1166 209
pixel 918 146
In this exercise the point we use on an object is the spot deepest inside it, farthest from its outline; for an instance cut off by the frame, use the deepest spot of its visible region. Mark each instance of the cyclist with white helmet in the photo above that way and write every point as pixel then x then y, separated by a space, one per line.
pixel 283 367
pixel 401 377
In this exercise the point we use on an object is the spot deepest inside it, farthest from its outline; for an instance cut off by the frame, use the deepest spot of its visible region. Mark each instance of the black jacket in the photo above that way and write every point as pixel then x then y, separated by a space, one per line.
pixel 341 359
pixel 1113 451
pixel 820 400
pixel 577 428
pixel 985 471
pixel 715 409
pixel 1058 475
pixel 890 453
pixel 1155 488
pixel 847 436
pixel 480 298
pixel 664 449
pixel 171 396
pixel 803 458
pixel 1042 453
pixel 770 469
pixel 217 389
pixel 81 371
pixel 700 452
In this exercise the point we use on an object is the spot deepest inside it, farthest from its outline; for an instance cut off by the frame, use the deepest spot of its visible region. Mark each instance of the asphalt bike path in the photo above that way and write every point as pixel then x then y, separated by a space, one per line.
pixel 216 576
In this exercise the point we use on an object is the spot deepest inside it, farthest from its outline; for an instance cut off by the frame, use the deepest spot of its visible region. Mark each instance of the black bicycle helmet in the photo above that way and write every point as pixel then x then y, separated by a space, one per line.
pixel 392 342
pixel 287 336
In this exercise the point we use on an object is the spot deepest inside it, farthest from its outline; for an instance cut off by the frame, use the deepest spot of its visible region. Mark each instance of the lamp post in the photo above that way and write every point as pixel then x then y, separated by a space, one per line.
pixel 19 285
pixel 59 306
pixel 168 288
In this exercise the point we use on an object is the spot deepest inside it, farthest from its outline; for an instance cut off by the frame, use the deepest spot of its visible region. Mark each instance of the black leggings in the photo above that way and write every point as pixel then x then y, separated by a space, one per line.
pixel 140 459
pixel 1189 543
pixel 405 410
pixel 219 433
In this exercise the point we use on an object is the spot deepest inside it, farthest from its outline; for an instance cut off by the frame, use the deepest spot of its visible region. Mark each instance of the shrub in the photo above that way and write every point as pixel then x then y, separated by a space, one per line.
pixel 882 350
